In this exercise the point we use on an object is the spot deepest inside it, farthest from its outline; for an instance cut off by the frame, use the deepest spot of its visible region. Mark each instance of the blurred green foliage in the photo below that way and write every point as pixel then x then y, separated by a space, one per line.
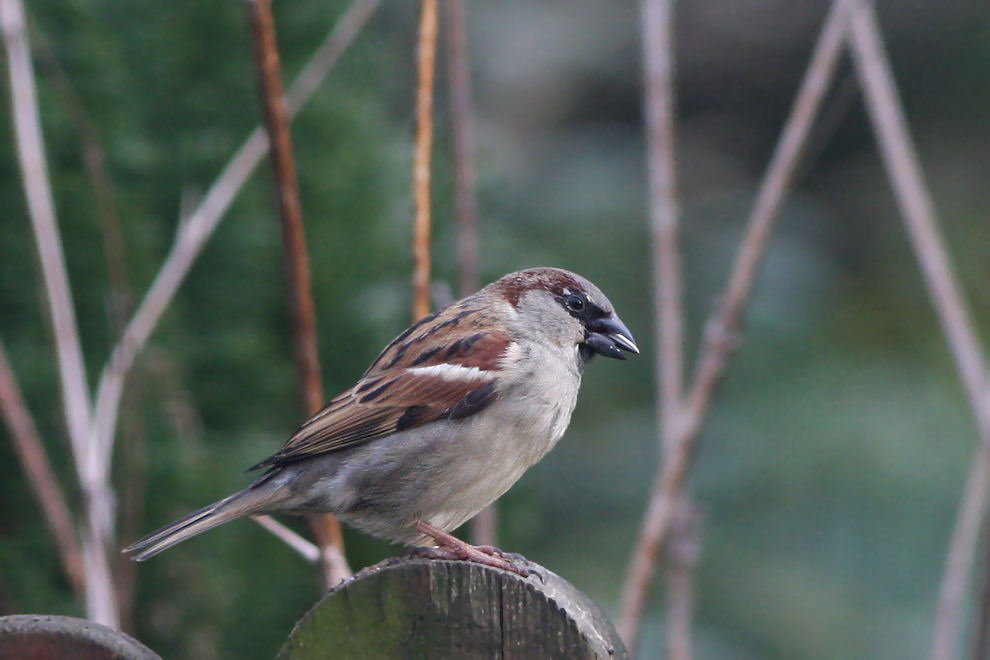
pixel 833 460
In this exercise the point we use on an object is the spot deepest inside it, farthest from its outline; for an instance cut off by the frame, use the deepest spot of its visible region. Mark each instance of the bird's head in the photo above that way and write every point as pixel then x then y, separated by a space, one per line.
pixel 568 310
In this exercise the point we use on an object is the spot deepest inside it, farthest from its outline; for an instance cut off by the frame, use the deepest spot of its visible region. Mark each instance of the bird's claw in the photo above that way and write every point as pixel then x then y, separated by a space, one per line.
pixel 498 552
pixel 486 555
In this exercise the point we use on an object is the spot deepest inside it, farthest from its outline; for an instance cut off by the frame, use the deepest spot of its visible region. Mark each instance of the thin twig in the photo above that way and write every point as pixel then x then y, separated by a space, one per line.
pixel 101 605
pixel 309 551
pixel 658 65
pixel 131 486
pixel 903 168
pixel 40 475
pixel 41 208
pixel 659 107
pixel 121 302
pixel 723 326
pixel 425 65
pixel 981 635
pixel 94 161
pixel 289 208
pixel 484 527
pixel 459 81
pixel 914 200
pixel 199 226
pixel 294 241
pixel 685 550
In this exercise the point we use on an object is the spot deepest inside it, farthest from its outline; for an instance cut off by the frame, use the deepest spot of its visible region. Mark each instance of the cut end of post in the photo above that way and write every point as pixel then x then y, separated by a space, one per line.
pixel 413 607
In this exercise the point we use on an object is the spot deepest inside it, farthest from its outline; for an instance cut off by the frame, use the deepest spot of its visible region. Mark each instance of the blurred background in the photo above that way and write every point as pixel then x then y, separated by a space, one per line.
pixel 831 467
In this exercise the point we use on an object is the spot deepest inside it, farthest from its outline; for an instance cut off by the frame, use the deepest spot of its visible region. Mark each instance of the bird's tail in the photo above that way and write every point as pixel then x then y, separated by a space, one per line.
pixel 257 498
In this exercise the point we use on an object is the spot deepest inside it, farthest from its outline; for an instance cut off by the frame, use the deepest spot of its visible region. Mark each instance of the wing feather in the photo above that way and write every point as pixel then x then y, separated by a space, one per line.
pixel 419 378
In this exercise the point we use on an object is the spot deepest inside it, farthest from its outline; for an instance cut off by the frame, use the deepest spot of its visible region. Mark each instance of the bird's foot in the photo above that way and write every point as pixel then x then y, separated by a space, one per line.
pixel 498 552
pixel 516 559
pixel 469 552
pixel 451 547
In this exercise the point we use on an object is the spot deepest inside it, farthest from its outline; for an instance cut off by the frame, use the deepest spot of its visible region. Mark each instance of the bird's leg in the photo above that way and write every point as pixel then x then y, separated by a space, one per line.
pixel 451 547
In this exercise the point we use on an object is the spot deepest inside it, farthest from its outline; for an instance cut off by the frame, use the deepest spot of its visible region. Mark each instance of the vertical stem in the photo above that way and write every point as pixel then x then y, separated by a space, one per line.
pixel 94 161
pixel 115 254
pixel 658 68
pixel 724 324
pixel 197 226
pixel 40 475
pixel 41 208
pixel 326 527
pixel 290 211
pixel 918 211
pixel 425 61
pixel 658 65
pixel 981 634
pixel 915 202
pixel 484 527
pixel 685 549
pixel 459 76
pixel 94 477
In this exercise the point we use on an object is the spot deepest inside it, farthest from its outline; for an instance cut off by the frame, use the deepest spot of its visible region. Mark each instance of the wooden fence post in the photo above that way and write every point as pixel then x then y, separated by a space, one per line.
pixel 410 607
pixel 45 636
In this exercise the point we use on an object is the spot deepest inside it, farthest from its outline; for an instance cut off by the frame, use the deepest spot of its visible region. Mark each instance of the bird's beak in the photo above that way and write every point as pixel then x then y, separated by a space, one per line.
pixel 609 336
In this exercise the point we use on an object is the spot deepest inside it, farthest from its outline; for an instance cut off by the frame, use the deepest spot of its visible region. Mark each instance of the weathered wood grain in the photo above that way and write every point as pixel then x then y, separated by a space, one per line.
pixel 419 608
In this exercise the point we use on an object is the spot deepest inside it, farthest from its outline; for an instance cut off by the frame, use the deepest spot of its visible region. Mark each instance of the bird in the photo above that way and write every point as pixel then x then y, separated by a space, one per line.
pixel 445 420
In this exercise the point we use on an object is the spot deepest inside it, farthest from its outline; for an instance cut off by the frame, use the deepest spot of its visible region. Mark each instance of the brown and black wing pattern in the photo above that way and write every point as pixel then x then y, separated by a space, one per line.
pixel 442 367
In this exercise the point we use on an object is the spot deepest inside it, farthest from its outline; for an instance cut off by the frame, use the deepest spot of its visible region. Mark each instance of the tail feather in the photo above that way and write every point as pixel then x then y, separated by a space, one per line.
pixel 253 499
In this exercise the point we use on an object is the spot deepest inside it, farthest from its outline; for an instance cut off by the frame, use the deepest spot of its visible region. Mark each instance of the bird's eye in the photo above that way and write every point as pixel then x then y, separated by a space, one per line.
pixel 574 302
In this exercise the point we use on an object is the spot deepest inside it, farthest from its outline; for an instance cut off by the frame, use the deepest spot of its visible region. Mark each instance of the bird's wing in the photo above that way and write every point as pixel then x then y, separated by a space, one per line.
pixel 418 378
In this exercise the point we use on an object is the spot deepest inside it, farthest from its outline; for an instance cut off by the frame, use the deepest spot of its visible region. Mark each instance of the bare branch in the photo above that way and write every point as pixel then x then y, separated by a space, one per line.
pixel 198 227
pixel 290 210
pixel 41 207
pixel 40 475
pixel 917 209
pixel 981 635
pixel 94 160
pixel 294 240
pixel 658 64
pixel 309 551
pixel 92 443
pixel 685 550
pixel 425 65
pixel 330 540
pixel 914 200
pixel 101 605
pixel 484 527
pixel 325 58
pixel 959 559
pixel 724 324
pixel 459 81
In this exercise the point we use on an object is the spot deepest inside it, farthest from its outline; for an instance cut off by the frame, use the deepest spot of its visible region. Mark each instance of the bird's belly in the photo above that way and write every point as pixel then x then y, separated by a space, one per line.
pixel 492 456
pixel 443 473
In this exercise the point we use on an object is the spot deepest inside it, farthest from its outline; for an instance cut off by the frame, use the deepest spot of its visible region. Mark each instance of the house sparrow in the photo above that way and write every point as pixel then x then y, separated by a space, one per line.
pixel 444 421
